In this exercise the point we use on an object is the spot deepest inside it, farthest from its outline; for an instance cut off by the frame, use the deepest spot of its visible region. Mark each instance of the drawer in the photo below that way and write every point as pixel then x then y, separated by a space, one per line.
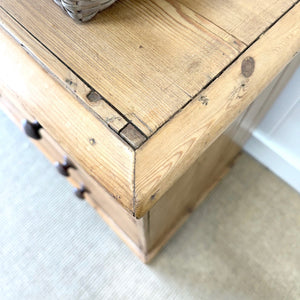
pixel 96 195
pixel 99 150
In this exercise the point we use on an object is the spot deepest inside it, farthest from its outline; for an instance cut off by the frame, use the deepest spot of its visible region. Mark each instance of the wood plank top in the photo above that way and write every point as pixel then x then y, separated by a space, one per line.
pixel 166 77
pixel 149 58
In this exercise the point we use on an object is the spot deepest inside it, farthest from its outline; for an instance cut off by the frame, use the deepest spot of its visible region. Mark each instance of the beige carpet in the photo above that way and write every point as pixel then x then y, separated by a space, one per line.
pixel 242 243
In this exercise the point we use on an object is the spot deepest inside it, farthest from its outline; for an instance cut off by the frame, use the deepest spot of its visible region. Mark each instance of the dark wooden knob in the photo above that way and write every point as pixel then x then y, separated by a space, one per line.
pixel 63 168
pixel 79 192
pixel 32 129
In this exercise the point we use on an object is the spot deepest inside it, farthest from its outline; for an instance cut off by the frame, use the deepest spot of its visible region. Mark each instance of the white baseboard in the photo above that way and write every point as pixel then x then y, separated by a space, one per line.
pixel 274 158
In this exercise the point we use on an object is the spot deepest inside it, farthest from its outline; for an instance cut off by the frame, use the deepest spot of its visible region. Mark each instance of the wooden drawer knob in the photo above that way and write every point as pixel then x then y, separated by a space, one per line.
pixel 32 129
pixel 79 192
pixel 63 168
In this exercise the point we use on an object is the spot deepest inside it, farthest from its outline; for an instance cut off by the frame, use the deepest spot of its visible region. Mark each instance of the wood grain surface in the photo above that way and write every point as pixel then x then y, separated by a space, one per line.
pixel 245 20
pixel 102 154
pixel 174 148
pixel 181 71
pixel 128 228
pixel 66 77
pixel 147 58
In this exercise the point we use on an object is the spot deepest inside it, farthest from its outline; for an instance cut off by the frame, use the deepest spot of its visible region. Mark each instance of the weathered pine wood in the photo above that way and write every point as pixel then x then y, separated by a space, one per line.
pixel 146 57
pixel 151 176
pixel 146 236
pixel 175 206
pixel 245 20
pixel 172 48
pixel 155 169
pixel 132 135
pixel 97 149
pixel 263 102
pixel 160 163
pixel 63 74
pixel 128 228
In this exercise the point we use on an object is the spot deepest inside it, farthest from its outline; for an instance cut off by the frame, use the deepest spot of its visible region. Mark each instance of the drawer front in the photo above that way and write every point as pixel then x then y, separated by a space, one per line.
pixel 100 151
pixel 110 210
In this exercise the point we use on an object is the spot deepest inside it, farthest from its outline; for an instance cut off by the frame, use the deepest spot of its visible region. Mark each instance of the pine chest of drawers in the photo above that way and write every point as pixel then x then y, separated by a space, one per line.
pixel 145 107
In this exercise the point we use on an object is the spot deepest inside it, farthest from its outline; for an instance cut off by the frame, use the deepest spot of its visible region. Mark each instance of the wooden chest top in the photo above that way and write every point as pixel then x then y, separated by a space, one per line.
pixel 165 76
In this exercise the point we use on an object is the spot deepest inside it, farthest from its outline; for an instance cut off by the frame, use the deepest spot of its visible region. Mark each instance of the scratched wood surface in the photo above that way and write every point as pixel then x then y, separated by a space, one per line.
pixel 101 153
pixel 192 130
pixel 68 79
pixel 129 229
pixel 147 58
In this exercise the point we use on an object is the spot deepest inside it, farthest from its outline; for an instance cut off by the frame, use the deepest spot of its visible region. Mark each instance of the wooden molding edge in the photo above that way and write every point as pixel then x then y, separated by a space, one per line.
pixel 166 155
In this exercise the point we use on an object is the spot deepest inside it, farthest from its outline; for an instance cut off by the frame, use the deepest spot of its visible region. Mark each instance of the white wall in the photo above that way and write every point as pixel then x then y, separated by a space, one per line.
pixel 276 141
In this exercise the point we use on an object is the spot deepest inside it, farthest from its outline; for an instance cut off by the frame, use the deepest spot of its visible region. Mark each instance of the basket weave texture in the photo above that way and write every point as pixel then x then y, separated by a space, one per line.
pixel 83 10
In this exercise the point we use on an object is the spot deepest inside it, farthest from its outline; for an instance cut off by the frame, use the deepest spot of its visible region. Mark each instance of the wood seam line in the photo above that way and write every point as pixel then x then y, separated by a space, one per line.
pixel 78 98
pixel 221 72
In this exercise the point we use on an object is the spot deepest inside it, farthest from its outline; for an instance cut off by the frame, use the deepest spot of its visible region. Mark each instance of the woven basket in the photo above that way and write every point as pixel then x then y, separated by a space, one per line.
pixel 83 10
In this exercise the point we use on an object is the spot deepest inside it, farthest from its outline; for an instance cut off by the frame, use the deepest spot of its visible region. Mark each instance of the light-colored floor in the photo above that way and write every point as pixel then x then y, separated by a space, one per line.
pixel 243 242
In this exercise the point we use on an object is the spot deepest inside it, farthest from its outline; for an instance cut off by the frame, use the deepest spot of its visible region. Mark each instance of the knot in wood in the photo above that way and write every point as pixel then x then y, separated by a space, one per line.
pixel 248 66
